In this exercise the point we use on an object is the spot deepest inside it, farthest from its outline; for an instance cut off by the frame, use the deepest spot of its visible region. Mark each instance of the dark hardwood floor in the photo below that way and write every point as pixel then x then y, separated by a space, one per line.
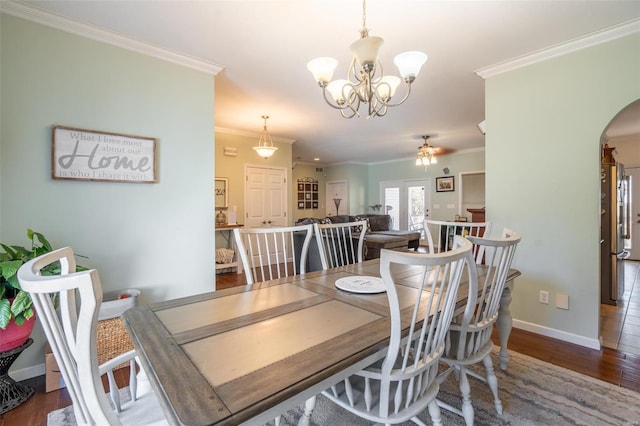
pixel 610 365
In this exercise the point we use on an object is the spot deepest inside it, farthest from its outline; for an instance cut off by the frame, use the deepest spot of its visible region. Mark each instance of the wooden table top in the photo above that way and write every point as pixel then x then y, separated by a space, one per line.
pixel 226 356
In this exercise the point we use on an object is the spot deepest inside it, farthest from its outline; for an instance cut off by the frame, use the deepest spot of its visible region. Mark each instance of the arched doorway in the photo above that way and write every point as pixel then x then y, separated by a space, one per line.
pixel 620 230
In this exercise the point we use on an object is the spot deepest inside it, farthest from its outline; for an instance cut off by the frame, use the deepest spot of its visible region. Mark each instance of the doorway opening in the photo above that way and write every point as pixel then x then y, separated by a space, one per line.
pixel 620 233
pixel 408 203
pixel 472 193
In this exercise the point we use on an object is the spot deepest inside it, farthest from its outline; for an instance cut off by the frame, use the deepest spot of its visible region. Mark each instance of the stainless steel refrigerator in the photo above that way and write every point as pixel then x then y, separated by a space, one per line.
pixel 614 229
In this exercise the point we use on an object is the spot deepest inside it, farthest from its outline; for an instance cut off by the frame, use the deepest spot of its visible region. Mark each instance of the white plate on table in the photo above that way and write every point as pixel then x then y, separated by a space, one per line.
pixel 361 284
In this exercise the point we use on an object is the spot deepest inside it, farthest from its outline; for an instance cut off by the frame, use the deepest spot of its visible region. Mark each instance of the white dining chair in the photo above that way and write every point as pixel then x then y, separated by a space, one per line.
pixel 416 223
pixel 404 382
pixel 71 332
pixel 340 244
pixel 469 339
pixel 273 252
pixel 444 231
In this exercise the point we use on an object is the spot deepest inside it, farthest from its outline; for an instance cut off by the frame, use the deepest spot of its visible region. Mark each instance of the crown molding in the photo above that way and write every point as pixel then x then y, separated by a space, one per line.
pixel 574 45
pixel 251 134
pixel 39 16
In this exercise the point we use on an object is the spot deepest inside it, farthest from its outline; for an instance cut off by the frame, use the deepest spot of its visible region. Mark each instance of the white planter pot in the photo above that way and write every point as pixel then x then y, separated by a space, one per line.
pixel 113 307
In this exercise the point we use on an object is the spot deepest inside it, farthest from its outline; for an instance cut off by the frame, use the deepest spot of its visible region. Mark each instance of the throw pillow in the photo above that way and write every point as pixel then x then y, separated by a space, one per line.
pixel 325 221
pixel 359 228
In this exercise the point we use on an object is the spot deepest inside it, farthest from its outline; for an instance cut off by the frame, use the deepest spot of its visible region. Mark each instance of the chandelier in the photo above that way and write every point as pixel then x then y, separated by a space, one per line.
pixel 366 82
pixel 426 153
pixel 265 148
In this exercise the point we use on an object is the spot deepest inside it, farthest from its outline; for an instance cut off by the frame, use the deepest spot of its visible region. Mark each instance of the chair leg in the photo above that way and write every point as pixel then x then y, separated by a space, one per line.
pixel 143 383
pixel 492 381
pixel 309 405
pixel 434 412
pixel 465 391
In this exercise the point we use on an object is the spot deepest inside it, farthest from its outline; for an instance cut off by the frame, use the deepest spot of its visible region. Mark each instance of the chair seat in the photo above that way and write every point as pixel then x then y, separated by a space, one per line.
pixel 145 410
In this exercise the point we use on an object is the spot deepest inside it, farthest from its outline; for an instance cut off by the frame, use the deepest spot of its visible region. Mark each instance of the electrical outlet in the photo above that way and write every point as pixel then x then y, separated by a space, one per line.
pixel 544 297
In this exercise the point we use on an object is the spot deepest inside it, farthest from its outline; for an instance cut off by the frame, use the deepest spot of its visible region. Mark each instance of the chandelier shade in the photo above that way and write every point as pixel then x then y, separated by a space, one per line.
pixel 265 148
pixel 340 90
pixel 366 50
pixel 366 84
pixel 410 63
pixel 322 68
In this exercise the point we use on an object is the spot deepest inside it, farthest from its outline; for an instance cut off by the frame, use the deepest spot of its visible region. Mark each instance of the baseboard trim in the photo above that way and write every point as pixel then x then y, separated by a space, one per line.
pixel 28 372
pixel 558 334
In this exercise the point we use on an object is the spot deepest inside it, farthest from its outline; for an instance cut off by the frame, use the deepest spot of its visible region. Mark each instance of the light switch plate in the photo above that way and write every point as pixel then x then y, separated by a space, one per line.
pixel 562 301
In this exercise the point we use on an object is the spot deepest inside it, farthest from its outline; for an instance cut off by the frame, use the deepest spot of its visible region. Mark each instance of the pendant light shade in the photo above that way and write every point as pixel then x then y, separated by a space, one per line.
pixel 265 148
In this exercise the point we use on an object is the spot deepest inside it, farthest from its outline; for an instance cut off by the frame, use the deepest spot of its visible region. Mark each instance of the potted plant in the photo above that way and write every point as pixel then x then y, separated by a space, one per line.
pixel 17 316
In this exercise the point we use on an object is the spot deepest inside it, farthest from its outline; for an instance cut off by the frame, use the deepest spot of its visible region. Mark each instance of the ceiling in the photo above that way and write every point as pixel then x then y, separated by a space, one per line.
pixel 263 47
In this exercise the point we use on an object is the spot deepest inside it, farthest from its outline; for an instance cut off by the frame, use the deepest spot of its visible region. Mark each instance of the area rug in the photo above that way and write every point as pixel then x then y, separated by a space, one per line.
pixel 533 393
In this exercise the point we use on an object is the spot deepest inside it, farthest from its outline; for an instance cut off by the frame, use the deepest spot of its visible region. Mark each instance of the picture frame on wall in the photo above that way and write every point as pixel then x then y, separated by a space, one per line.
pixel 94 155
pixel 221 191
pixel 445 184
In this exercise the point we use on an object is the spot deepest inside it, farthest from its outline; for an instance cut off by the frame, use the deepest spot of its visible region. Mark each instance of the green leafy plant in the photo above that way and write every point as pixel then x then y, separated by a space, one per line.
pixel 15 303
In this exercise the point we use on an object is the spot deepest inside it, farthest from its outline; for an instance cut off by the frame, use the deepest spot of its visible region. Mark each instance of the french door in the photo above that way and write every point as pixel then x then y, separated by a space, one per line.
pixel 408 202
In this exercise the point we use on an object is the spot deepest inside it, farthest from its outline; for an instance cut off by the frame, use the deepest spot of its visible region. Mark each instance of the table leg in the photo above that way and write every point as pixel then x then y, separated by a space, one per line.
pixel 236 258
pixel 504 323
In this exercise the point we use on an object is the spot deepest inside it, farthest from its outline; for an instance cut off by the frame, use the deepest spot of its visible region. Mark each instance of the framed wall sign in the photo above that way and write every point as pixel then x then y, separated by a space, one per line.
pixel 80 154
pixel 222 193
pixel 445 184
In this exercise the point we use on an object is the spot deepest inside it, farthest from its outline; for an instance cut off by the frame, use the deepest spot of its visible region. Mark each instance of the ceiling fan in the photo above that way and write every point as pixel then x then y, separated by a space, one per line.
pixel 427 153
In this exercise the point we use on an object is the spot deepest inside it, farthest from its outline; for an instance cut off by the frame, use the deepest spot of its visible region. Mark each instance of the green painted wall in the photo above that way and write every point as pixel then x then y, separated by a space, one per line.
pixel 357 177
pixel 302 171
pixel 544 124
pixel 154 237
pixel 407 170
pixel 364 180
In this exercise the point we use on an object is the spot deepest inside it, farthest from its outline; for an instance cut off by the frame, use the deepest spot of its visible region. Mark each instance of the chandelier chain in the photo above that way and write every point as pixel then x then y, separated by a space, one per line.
pixel 364 32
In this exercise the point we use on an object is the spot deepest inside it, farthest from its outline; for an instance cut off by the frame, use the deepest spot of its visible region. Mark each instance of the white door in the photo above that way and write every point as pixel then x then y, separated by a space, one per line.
pixel 265 196
pixel 337 202
pixel 407 202
pixel 634 183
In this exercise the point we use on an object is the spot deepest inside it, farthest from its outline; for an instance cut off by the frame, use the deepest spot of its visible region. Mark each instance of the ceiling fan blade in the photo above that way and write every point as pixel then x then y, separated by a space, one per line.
pixel 443 151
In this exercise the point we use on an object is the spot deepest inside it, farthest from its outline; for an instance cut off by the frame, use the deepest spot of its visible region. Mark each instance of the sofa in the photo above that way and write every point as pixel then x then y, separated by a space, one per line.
pixel 379 236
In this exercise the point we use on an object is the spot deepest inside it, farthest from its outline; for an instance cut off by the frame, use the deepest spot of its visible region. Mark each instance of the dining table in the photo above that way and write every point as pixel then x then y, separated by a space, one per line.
pixel 245 355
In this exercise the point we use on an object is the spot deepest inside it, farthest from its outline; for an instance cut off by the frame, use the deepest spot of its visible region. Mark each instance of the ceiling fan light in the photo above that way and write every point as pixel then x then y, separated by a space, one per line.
pixel 366 50
pixel 322 68
pixel 410 63
pixel 434 160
